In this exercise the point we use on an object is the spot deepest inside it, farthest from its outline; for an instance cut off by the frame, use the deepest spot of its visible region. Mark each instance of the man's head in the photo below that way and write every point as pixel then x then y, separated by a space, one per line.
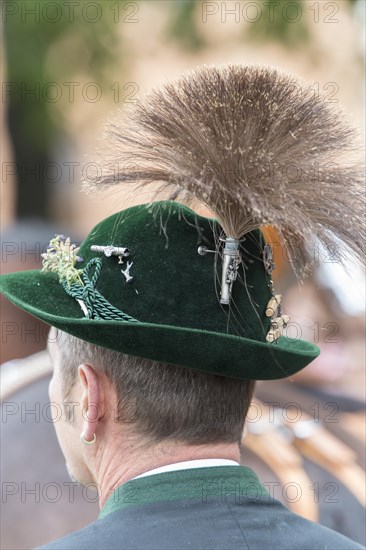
pixel 122 398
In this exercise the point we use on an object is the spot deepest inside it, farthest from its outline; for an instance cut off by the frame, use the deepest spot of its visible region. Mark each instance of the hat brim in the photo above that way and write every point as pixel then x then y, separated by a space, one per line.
pixel 41 295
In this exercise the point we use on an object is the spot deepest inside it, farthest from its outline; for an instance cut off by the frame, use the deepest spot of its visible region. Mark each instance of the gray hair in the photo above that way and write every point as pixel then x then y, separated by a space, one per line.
pixel 163 401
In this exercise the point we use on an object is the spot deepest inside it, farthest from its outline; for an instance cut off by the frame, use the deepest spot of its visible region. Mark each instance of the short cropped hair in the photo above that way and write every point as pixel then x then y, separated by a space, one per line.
pixel 163 401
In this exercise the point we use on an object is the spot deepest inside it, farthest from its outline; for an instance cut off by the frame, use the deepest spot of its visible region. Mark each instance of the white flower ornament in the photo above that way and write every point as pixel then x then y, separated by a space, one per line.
pixel 61 257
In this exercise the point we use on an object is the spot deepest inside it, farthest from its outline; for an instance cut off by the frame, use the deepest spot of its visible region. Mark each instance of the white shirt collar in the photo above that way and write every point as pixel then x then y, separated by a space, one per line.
pixel 201 463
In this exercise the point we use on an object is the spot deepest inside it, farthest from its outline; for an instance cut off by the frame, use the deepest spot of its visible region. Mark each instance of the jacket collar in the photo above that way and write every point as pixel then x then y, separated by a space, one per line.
pixel 195 483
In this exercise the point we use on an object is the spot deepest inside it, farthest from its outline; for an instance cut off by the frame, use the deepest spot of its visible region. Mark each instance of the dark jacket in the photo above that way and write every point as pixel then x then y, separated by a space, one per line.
pixel 215 508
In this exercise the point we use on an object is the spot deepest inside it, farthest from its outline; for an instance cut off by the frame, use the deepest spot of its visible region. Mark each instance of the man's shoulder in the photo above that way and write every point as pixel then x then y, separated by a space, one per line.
pixel 214 525
pixel 292 531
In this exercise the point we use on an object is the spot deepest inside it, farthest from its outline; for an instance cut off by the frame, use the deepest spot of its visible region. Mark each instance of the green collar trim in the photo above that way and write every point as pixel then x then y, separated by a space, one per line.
pixel 195 483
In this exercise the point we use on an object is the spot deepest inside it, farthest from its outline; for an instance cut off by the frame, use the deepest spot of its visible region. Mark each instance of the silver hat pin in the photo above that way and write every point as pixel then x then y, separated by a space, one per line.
pixel 112 251
pixel 126 272
pixel 231 262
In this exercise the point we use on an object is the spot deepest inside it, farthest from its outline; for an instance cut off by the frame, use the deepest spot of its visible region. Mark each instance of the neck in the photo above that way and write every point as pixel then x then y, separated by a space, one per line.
pixel 116 468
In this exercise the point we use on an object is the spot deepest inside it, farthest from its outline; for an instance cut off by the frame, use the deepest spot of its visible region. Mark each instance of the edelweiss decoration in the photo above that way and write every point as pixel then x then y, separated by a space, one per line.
pixel 61 257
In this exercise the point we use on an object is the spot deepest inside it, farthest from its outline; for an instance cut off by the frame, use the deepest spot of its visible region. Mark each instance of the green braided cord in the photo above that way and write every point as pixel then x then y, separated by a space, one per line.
pixel 98 307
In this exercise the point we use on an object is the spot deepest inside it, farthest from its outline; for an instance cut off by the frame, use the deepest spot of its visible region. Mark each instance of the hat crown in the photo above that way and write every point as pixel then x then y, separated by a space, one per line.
pixel 164 280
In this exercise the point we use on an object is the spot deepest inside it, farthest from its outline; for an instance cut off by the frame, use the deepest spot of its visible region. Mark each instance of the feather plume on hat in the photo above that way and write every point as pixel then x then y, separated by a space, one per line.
pixel 257 147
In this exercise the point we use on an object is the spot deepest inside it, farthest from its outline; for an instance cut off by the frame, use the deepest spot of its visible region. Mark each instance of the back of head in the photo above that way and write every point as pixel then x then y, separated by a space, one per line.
pixel 160 401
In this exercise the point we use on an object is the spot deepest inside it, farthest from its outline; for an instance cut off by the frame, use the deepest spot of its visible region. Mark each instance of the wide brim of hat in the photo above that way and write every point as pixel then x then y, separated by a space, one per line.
pixel 41 295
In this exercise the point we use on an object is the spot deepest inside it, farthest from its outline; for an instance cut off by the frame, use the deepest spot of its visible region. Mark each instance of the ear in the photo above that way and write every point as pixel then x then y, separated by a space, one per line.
pixel 92 400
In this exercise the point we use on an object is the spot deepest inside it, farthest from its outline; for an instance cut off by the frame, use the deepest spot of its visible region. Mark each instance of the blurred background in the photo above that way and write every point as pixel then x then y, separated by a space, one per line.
pixel 67 67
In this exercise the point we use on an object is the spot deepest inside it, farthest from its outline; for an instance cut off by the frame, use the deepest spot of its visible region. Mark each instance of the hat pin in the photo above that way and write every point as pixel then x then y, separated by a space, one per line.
pixel 110 250
pixel 231 262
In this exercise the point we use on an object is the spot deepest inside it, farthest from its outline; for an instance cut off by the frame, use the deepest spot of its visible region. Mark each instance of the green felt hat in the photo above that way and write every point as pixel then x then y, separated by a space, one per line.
pixel 146 282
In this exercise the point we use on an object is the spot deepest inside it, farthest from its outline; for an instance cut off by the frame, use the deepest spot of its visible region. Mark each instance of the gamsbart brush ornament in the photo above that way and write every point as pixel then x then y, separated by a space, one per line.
pixel 255 146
